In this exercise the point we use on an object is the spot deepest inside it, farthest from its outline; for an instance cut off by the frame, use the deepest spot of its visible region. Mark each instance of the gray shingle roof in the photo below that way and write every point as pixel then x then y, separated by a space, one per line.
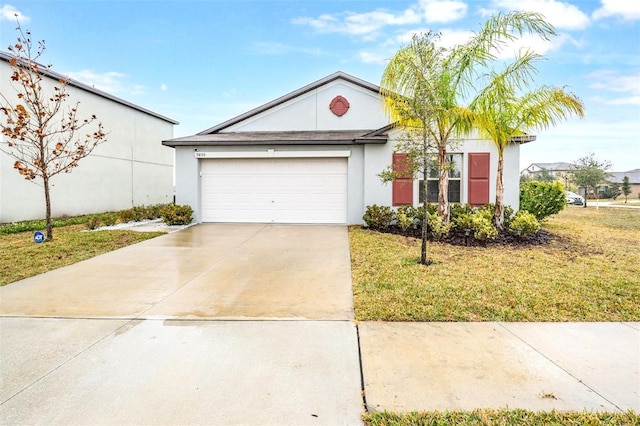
pixel 344 137
pixel 554 167
pixel 634 176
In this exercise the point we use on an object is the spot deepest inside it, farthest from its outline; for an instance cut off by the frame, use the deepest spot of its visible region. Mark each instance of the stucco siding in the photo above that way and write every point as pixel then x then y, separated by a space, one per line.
pixel 310 111
pixel 131 168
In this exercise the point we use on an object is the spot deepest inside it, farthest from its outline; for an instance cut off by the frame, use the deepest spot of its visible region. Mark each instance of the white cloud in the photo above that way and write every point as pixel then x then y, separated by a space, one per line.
pixel 374 57
pixel 627 9
pixel 450 37
pixel 612 82
pixel 368 24
pixel 163 87
pixel 10 13
pixel 631 100
pixel 443 10
pixel 359 23
pixel 560 14
pixel 110 82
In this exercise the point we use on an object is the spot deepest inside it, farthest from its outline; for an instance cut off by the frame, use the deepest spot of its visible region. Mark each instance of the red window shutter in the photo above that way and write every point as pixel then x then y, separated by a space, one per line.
pixel 403 185
pixel 478 178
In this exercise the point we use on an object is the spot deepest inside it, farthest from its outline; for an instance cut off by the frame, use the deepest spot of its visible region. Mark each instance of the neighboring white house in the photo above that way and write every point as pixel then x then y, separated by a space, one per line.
pixel 132 168
pixel 313 156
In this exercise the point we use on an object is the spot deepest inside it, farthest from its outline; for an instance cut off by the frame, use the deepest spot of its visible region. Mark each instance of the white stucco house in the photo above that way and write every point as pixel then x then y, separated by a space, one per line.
pixel 131 169
pixel 313 156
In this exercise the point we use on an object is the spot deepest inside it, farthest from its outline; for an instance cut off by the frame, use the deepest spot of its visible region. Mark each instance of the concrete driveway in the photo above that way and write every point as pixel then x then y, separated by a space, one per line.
pixel 214 324
pixel 206 271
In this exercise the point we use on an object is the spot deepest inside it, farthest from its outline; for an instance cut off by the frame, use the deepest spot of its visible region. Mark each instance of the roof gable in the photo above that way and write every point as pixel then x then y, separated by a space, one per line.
pixel 307 109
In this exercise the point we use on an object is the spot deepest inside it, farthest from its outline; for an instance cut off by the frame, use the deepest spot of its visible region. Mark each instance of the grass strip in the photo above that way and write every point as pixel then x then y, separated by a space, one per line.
pixel 21 258
pixel 503 417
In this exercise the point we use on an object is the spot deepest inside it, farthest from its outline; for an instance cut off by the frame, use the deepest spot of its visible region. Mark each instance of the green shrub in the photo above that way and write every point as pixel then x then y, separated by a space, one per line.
pixel 378 217
pixel 483 228
pixel 524 224
pixel 128 215
pixel 488 210
pixel 404 221
pixel 462 220
pixel 109 219
pixel 140 213
pixel 542 199
pixel 485 211
pixel 93 222
pixel 437 228
pixel 174 214
pixel 456 210
pixel 155 211
pixel 406 216
pixel 409 211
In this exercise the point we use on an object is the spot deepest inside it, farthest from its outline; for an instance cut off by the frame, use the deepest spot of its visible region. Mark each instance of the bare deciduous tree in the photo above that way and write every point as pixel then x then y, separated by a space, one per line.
pixel 43 134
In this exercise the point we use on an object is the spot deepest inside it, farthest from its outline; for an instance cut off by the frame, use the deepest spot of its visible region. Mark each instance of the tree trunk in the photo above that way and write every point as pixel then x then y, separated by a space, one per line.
pixel 47 200
pixel 425 230
pixel 443 185
pixel 586 193
pixel 498 213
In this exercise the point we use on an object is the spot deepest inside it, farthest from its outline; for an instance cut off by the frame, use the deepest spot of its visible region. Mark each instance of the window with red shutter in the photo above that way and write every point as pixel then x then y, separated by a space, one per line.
pixel 479 167
pixel 403 184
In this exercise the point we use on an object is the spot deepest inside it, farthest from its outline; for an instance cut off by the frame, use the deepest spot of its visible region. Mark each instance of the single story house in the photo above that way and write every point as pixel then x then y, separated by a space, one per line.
pixel 130 169
pixel 634 181
pixel 314 155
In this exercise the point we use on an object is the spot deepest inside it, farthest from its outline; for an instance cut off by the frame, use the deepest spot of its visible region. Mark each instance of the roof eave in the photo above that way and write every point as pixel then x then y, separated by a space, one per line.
pixel 359 141
pixel 523 139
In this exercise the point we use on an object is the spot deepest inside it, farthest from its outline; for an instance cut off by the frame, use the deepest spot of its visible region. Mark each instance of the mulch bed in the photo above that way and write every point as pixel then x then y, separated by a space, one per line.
pixel 457 238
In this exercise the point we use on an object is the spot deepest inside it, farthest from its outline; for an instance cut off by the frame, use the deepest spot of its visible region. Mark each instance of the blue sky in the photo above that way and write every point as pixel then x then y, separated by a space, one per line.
pixel 202 62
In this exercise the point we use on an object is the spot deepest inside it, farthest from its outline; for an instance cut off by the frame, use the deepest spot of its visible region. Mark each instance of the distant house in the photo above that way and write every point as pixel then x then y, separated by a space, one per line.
pixel 561 171
pixel 131 168
pixel 558 171
pixel 634 180
pixel 314 155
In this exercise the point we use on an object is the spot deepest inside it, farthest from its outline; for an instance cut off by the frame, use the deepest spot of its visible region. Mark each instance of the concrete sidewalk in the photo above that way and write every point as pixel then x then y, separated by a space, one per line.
pixel 154 372
pixel 534 366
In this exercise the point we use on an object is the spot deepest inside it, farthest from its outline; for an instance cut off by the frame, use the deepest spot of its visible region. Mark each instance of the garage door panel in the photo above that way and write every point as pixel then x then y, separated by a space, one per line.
pixel 297 190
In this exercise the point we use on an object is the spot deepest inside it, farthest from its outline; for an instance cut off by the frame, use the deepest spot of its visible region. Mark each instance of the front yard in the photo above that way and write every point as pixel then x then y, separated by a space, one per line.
pixel 20 257
pixel 589 272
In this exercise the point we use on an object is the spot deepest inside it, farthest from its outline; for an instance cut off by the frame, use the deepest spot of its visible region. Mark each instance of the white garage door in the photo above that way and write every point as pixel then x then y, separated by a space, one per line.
pixel 278 190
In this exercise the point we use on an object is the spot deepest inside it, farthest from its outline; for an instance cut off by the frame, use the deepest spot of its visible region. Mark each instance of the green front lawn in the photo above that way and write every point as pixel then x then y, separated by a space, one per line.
pixel 501 417
pixel 20 257
pixel 589 272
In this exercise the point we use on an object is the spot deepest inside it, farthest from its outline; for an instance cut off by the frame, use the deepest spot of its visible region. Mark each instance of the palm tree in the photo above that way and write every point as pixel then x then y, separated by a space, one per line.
pixel 504 111
pixel 425 85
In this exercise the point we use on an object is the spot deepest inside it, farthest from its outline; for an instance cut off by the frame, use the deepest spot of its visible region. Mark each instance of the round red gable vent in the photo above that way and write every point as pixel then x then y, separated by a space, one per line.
pixel 339 106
